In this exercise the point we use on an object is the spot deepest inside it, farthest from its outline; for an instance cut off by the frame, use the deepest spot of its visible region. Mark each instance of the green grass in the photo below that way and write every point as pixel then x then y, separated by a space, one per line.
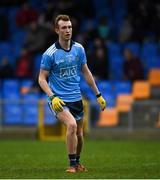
pixel 104 159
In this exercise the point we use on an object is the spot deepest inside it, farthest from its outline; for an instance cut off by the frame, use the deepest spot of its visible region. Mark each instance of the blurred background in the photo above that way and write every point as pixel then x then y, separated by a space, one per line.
pixel 122 43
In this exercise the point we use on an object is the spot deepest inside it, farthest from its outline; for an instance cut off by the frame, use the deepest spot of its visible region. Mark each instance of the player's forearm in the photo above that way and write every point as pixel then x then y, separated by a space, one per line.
pixel 44 85
pixel 91 82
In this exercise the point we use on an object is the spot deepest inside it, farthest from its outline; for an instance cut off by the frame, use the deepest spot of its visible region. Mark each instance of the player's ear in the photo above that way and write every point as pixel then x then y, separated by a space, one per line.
pixel 56 30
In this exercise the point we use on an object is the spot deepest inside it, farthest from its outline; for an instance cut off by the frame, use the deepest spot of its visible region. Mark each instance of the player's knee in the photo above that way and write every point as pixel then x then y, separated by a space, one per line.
pixel 79 134
pixel 72 127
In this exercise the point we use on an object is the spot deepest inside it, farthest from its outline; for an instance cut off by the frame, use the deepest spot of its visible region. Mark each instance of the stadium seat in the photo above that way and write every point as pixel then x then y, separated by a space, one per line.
pixel 108 117
pixel 104 86
pixel 116 74
pixel 13 114
pixel 114 49
pixel 10 88
pixel 110 99
pixel 11 96
pixel 83 84
pixel 25 85
pixel 49 117
pixel 154 77
pixel 12 19
pixel 30 114
pixel 122 87
pixel 152 62
pixel 124 102
pixel 5 48
pixel 99 6
pixel 30 109
pixel 19 37
pixel 90 96
pixel 16 49
pixel 6 51
pixel 120 11
pixel 87 24
pixel 86 91
pixel 141 90
pixel 114 62
pixel 149 49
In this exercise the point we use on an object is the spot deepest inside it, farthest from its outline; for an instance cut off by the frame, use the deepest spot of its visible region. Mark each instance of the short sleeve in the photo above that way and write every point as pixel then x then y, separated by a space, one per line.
pixel 46 62
pixel 83 56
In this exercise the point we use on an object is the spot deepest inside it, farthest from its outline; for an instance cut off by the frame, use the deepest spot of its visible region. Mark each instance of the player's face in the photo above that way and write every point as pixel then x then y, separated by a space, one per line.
pixel 64 30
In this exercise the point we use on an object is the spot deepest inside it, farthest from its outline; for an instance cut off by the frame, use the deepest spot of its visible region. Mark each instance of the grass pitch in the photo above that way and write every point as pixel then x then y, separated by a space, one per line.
pixel 103 158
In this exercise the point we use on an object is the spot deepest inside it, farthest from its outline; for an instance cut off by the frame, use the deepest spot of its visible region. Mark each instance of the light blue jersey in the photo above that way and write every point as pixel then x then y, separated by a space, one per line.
pixel 64 68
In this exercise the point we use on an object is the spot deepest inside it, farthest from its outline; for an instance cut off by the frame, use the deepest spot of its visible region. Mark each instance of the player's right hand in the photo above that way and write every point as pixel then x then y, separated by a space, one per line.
pixel 57 104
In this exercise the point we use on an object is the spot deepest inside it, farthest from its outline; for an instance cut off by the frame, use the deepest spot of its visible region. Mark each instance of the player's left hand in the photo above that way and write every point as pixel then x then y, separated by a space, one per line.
pixel 102 103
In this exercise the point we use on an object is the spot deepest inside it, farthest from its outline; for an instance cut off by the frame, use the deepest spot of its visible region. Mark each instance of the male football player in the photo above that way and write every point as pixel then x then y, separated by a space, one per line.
pixel 59 77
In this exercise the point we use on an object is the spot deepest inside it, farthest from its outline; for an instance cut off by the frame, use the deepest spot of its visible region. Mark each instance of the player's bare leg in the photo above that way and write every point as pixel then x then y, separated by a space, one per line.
pixel 80 167
pixel 79 137
pixel 71 138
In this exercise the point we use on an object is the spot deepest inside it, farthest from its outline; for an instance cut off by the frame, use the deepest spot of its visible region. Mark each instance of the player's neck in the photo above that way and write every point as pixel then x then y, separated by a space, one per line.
pixel 65 44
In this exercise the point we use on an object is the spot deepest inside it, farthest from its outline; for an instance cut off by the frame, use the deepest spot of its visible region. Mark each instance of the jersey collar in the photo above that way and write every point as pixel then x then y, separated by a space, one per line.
pixel 58 46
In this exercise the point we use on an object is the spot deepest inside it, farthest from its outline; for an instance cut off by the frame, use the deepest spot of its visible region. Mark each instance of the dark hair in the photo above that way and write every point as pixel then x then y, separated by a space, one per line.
pixel 61 17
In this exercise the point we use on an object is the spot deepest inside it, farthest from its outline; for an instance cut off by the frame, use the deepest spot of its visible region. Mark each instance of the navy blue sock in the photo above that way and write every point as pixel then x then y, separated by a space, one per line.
pixel 72 158
pixel 77 159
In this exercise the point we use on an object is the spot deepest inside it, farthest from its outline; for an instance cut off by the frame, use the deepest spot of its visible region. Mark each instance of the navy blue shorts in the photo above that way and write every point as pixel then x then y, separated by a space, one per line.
pixel 75 108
